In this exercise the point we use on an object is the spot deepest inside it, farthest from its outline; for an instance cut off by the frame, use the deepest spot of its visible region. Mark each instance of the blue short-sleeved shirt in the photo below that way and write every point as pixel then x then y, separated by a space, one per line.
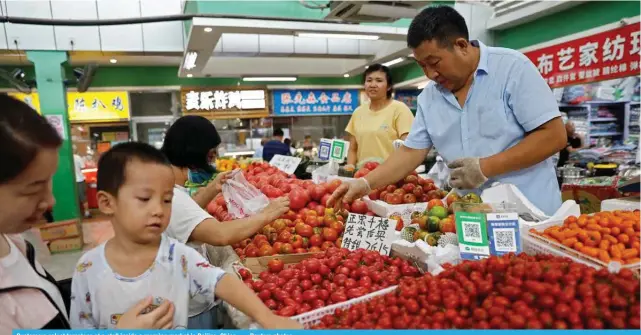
pixel 508 99
pixel 275 147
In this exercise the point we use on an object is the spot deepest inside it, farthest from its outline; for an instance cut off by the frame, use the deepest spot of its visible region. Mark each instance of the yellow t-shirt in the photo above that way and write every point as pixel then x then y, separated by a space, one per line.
pixel 375 132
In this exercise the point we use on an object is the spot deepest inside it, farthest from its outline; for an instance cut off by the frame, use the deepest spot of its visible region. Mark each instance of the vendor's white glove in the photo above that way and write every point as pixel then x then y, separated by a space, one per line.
pixel 466 174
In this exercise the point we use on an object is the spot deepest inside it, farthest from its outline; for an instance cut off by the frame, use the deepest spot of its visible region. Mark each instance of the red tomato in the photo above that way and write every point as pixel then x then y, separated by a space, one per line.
pixel 298 199
pixel 330 234
pixel 359 207
pixel 275 265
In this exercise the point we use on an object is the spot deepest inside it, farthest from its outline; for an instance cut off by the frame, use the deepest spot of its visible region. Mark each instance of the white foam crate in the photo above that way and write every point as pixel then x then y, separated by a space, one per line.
pixel 314 317
pixel 533 245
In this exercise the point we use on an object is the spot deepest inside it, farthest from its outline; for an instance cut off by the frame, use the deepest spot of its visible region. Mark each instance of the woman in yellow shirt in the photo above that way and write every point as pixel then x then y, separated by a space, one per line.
pixel 375 126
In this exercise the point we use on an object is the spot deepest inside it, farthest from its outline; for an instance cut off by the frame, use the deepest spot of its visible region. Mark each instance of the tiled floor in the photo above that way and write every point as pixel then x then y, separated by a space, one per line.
pixel 61 266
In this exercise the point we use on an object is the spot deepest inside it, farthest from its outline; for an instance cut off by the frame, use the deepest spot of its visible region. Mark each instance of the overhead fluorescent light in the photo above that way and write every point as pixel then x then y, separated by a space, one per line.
pixel 394 61
pixel 190 60
pixel 269 78
pixel 346 75
pixel 208 30
pixel 189 75
pixel 343 36
pixel 113 61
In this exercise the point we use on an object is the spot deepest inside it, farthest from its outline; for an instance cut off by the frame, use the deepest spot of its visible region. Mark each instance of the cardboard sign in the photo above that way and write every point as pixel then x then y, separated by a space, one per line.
pixel 471 229
pixel 324 149
pixel 339 150
pixel 503 229
pixel 287 164
pixel 370 233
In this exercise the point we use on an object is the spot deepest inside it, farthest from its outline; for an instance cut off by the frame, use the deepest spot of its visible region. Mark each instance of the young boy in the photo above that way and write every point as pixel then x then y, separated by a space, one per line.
pixel 135 188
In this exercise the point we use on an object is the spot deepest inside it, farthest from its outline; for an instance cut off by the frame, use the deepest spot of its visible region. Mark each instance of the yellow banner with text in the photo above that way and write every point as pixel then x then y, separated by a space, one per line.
pixel 88 106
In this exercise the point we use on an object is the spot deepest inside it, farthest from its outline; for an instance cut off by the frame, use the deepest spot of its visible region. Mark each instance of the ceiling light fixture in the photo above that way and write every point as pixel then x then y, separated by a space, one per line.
pixel 189 75
pixel 394 61
pixel 269 78
pixel 208 29
pixel 346 75
pixel 113 61
pixel 342 36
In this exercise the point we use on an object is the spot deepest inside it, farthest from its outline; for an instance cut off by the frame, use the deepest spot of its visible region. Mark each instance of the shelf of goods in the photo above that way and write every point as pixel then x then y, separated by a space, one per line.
pixel 297 268
pixel 602 122
pixel 633 125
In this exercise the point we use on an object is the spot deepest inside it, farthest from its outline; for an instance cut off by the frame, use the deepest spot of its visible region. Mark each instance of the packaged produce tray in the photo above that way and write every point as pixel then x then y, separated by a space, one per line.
pixel 535 244
pixel 312 318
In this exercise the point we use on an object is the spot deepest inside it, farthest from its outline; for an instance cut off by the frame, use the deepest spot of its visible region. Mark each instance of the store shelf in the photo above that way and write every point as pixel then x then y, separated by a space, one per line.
pixel 603 119
pixel 605 134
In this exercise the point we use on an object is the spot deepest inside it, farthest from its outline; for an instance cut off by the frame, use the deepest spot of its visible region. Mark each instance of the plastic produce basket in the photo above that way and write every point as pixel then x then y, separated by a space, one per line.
pixel 312 318
pixel 533 244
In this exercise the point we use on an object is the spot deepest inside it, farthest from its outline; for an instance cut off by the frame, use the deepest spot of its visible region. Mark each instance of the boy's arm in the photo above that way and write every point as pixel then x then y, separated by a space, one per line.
pixel 80 313
pixel 213 282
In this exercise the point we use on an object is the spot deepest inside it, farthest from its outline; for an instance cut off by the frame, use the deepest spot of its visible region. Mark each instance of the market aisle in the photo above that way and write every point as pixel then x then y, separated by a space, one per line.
pixel 61 266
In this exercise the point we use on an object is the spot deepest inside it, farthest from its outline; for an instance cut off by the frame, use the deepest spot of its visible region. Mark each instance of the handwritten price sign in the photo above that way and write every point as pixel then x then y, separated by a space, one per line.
pixel 287 164
pixel 369 232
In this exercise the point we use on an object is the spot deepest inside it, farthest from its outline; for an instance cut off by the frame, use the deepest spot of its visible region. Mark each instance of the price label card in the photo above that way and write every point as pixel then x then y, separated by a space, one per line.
pixel 503 230
pixel 471 229
pixel 287 164
pixel 370 233
pixel 324 149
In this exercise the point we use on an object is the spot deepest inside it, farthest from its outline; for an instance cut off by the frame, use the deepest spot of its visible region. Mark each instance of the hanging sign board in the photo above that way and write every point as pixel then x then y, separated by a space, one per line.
pixel 607 55
pixel 220 102
pixel 370 233
pixel 87 106
pixel 314 102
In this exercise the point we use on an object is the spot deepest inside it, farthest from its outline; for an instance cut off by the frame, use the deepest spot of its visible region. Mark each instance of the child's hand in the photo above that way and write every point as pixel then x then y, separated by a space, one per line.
pixel 160 318
pixel 279 322
pixel 275 209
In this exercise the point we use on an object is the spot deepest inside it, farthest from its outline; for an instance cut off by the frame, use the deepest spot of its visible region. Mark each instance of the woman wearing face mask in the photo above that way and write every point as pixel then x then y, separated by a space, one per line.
pixel 374 126
pixel 29 297
pixel 190 145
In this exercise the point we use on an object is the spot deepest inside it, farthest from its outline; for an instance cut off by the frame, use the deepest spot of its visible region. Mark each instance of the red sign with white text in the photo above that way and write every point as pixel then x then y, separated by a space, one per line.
pixel 608 55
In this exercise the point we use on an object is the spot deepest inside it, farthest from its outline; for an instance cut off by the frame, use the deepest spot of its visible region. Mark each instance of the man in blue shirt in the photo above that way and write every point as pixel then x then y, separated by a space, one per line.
pixel 276 146
pixel 487 111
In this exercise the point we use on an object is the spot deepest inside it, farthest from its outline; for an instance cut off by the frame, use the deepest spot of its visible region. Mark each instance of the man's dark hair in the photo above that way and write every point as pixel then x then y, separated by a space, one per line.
pixel 279 132
pixel 441 23
pixel 388 76
pixel 188 142
pixel 112 165
pixel 23 132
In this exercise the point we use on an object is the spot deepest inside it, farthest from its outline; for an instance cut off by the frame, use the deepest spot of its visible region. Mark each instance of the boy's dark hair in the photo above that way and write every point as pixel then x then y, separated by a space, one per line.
pixel 188 142
pixel 279 132
pixel 441 23
pixel 112 166
pixel 23 132
pixel 388 76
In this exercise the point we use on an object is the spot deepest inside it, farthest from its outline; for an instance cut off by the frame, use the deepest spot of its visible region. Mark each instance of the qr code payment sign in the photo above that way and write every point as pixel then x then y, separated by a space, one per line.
pixel 472 232
pixel 504 240
pixel 324 152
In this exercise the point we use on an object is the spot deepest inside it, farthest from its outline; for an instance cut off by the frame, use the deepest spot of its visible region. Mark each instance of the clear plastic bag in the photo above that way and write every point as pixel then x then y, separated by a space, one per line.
pixel 439 173
pixel 321 175
pixel 242 198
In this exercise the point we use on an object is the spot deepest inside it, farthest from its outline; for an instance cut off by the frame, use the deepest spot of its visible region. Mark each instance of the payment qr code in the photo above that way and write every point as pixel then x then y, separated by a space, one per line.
pixel 472 232
pixel 504 240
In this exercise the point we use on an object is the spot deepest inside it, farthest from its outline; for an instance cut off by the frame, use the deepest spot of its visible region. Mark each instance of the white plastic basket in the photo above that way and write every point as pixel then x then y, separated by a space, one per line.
pixel 533 245
pixel 312 318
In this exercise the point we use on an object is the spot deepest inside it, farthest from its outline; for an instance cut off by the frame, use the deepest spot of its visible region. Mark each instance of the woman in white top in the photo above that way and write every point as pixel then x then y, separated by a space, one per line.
pixel 29 297
pixel 190 145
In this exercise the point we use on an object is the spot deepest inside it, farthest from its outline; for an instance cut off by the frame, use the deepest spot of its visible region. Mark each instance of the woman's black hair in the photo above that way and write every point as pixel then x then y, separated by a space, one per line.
pixel 188 142
pixel 23 132
pixel 388 76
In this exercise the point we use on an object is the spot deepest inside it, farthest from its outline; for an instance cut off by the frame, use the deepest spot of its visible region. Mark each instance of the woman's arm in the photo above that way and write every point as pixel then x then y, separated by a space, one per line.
pixel 214 232
pixel 352 154
pixel 206 194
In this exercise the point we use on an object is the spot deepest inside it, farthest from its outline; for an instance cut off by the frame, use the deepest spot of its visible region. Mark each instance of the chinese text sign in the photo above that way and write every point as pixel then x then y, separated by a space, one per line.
pixel 608 55
pixel 370 233
pixel 315 102
pixel 204 101
pixel 287 164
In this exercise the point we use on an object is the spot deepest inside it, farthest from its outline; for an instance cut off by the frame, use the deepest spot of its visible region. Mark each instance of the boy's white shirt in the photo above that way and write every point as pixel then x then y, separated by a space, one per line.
pixel 179 273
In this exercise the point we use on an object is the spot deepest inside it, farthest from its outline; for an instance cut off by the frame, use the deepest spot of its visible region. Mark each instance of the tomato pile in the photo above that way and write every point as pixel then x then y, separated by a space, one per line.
pixel 508 292
pixel 334 276
pixel 307 227
pixel 411 189
pixel 607 236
